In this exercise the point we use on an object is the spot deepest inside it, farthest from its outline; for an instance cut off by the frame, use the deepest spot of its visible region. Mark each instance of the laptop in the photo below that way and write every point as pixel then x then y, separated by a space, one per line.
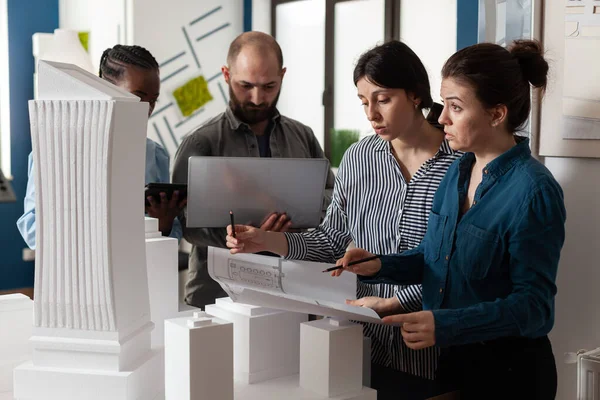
pixel 253 188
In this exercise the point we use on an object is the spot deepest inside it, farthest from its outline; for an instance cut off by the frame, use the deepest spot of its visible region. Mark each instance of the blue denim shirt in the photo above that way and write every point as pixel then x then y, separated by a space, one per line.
pixel 157 170
pixel 490 273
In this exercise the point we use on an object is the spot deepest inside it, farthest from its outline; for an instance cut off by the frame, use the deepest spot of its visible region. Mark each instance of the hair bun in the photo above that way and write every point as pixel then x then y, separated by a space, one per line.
pixel 530 55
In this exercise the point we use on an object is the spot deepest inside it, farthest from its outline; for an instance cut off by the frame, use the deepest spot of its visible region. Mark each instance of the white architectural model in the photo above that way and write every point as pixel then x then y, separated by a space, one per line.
pixel 91 334
pixel 328 353
pixel 272 346
pixel 16 314
pixel 266 341
pixel 330 367
pixel 331 357
pixel 163 279
pixel 198 358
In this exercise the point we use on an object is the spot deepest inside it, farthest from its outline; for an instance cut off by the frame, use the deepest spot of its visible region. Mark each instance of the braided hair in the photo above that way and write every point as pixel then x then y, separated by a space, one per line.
pixel 115 59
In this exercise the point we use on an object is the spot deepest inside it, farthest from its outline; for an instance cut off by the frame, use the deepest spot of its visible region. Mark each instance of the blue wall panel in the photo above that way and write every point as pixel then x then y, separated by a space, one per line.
pixel 466 23
pixel 24 19
pixel 247 15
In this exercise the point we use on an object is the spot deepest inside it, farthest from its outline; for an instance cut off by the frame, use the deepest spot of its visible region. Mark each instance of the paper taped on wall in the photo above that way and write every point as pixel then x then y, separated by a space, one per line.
pixel 581 93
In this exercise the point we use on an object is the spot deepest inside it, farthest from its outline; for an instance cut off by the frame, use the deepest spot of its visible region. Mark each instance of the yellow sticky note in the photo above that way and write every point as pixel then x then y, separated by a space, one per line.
pixel 192 95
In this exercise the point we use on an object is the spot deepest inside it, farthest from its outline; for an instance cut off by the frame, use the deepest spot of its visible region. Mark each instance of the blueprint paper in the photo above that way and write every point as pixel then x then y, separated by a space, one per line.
pixel 298 286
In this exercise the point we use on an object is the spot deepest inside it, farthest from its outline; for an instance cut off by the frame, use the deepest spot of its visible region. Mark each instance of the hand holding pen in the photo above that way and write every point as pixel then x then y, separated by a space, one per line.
pixel 232 224
pixel 357 261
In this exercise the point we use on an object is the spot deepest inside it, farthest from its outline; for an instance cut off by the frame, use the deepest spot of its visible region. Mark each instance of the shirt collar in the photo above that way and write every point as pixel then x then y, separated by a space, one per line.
pixel 235 123
pixel 383 145
pixel 446 149
pixel 501 164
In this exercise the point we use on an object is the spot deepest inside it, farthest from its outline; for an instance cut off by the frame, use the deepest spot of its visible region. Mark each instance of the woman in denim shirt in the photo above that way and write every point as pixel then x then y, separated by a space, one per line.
pixel 489 259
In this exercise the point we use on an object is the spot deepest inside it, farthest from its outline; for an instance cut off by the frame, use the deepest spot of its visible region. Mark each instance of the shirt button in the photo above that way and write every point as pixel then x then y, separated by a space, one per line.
pixel 485 171
pixel 474 202
pixel 447 258
pixel 441 290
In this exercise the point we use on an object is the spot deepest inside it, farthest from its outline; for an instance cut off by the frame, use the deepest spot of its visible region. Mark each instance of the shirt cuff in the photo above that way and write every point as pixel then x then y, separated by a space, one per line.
pixel 447 327
pixel 379 277
pixel 297 247
pixel 411 299
pixel 386 263
pixel 176 230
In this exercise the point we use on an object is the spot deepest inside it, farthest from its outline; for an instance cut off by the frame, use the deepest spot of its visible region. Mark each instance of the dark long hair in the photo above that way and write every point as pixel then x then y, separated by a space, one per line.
pixel 502 76
pixel 394 65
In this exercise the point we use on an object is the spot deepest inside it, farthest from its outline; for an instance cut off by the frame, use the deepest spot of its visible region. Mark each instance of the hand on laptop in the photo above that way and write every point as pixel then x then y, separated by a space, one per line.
pixel 268 237
pixel 276 223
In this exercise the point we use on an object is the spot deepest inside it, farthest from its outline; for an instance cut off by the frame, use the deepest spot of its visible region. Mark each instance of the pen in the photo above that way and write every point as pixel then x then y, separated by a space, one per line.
pixel 362 260
pixel 232 224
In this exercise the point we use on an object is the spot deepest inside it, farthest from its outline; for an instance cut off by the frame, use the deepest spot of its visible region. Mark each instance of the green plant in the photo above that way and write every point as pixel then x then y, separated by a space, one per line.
pixel 341 139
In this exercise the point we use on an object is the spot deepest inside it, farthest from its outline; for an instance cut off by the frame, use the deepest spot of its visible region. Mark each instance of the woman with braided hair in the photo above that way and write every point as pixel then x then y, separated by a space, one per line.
pixel 132 68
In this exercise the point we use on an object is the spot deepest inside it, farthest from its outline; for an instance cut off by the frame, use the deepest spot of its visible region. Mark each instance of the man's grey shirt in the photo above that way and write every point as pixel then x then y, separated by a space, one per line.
pixel 226 136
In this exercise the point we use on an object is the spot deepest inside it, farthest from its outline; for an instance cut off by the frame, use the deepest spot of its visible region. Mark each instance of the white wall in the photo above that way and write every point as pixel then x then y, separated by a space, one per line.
pixel 189 38
pixel 74 14
pixel 429 28
pixel 105 22
pixel 210 26
pixel 261 16
pixel 577 318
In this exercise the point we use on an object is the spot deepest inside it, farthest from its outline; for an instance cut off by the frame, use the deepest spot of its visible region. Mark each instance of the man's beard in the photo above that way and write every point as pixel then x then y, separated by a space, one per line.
pixel 249 112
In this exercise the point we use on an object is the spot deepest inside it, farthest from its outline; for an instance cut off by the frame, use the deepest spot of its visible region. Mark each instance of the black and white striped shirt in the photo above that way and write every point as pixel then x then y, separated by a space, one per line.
pixel 375 207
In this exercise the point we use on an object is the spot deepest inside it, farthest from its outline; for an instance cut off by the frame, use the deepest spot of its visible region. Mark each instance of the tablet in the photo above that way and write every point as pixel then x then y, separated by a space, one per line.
pixel 155 189
pixel 253 188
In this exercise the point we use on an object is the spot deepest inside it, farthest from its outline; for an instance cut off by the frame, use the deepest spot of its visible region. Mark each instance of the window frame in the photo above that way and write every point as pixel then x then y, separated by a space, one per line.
pixel 391 32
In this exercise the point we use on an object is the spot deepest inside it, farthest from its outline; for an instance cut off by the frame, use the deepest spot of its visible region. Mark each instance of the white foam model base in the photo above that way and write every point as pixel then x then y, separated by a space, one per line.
pixel 266 341
pixel 366 368
pixel 145 381
pixel 331 357
pixel 288 388
pixel 163 279
pixel 198 358
pixel 16 320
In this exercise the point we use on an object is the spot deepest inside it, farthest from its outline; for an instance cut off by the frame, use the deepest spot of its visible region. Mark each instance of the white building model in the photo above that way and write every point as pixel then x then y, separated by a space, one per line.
pixel 91 337
pixel 91 333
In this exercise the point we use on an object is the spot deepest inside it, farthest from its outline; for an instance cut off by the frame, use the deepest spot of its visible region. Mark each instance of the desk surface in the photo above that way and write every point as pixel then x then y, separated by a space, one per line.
pixel 280 388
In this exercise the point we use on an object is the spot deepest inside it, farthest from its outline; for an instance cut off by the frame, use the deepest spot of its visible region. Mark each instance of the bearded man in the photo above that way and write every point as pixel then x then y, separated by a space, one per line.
pixel 251 126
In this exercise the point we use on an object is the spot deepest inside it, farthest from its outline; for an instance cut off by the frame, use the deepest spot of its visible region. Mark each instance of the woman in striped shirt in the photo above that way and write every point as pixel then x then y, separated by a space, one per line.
pixel 381 201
